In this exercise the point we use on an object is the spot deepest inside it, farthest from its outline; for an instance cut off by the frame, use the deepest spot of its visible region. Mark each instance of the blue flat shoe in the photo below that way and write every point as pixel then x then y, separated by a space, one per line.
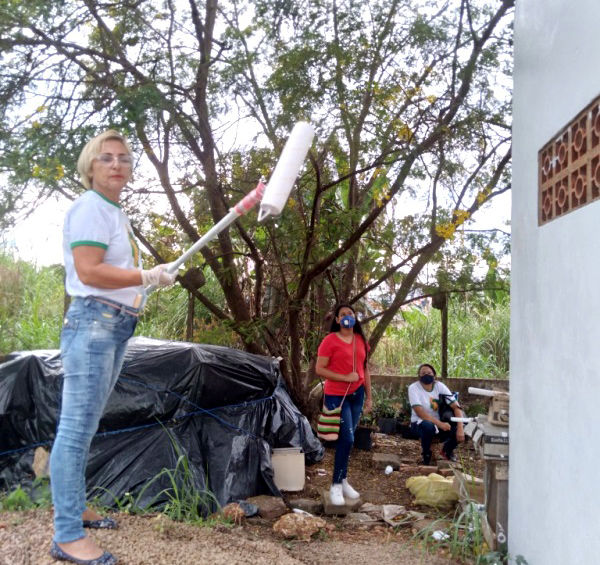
pixel 105 559
pixel 105 524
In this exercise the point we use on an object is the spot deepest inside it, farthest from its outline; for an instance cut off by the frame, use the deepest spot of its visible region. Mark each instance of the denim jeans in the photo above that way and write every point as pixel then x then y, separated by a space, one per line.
pixel 351 410
pixel 426 432
pixel 93 342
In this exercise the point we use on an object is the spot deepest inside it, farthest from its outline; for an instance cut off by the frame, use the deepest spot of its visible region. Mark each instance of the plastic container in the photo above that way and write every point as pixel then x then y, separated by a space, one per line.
pixel 288 468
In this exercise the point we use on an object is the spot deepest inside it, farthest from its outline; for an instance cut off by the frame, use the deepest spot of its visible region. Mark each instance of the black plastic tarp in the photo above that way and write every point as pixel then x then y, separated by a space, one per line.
pixel 222 408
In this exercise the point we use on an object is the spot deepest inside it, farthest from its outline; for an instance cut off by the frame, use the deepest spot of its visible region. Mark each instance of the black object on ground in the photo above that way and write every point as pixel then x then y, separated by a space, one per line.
pixel 222 408
pixel 363 438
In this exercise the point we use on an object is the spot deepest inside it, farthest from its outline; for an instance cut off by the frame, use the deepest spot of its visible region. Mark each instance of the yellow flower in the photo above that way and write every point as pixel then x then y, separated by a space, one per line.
pixel 404 132
pixel 483 194
pixel 461 217
pixel 446 230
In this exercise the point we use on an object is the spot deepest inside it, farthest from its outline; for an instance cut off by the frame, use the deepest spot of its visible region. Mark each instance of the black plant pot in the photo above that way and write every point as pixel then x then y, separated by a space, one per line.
pixel 405 431
pixel 387 425
pixel 363 439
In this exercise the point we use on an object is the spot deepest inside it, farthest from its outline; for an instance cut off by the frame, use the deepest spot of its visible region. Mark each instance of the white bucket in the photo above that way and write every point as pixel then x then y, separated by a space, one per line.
pixel 288 468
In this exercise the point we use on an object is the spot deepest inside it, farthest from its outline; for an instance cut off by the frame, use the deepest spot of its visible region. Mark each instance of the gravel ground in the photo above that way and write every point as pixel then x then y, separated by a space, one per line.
pixel 155 540
pixel 25 540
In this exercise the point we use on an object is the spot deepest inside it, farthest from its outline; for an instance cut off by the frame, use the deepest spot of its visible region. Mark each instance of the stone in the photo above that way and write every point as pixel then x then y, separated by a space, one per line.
pixel 41 463
pixel 382 460
pixel 429 524
pixel 298 526
pixel 372 509
pixel 374 496
pixel 269 506
pixel 359 519
pixel 306 504
pixel 234 512
pixel 335 510
pixel 426 469
pixel 446 472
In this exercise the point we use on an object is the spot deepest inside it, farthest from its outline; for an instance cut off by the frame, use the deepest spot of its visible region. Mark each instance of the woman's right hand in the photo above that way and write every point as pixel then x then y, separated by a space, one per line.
pixel 352 377
pixel 158 276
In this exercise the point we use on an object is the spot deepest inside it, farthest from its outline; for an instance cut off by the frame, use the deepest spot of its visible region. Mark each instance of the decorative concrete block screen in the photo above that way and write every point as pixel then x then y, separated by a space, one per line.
pixel 569 167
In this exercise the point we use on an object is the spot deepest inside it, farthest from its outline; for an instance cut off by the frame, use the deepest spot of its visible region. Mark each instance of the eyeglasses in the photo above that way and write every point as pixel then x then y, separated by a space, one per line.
pixel 108 160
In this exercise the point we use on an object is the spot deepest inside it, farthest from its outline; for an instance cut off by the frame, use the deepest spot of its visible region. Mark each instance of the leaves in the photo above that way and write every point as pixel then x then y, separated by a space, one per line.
pixel 411 141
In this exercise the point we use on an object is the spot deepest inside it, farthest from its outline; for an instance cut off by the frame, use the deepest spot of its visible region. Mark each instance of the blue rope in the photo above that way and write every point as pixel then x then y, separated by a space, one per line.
pixel 199 410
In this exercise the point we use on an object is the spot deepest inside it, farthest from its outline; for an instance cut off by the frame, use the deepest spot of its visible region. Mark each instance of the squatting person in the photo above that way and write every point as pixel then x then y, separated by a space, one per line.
pixel 424 397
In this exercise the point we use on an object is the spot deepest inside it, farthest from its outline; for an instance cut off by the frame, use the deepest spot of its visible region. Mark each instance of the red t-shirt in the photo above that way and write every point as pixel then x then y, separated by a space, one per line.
pixel 340 356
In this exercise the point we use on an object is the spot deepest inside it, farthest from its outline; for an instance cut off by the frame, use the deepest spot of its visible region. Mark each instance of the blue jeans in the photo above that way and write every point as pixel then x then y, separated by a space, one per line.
pixel 426 432
pixel 351 410
pixel 93 342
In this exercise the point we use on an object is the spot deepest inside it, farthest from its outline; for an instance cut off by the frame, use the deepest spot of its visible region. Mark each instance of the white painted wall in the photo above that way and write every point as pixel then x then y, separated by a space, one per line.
pixel 554 500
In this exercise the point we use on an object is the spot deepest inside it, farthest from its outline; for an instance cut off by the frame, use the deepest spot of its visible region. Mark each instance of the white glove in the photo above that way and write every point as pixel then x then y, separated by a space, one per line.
pixel 158 276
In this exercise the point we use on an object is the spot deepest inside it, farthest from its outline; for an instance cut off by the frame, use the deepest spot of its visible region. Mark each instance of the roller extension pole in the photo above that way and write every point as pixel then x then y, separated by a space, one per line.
pixel 243 206
pixel 486 392
pixel 272 197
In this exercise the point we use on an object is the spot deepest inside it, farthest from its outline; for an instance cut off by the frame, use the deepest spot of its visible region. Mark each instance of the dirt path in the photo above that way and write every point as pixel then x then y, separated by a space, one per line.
pixel 150 540
pixel 25 540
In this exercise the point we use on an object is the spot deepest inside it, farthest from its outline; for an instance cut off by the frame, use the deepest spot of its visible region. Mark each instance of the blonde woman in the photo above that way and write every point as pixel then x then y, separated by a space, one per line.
pixel 106 282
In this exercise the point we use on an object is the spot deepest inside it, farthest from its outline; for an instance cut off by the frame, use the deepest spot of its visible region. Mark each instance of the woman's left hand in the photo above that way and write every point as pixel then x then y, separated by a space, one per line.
pixel 368 406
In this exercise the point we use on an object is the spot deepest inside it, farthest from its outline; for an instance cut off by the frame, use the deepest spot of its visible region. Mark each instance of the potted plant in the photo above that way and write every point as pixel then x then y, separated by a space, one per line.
pixel 363 438
pixel 387 406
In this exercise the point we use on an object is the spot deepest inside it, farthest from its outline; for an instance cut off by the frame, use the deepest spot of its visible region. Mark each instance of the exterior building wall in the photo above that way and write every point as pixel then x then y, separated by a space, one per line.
pixel 554 497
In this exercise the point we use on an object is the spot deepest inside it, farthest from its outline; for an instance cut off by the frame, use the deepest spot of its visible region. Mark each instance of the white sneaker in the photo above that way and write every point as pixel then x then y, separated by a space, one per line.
pixel 336 495
pixel 348 491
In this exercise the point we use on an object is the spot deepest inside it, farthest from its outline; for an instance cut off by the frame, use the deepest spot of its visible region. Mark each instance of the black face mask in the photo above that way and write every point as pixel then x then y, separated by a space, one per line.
pixel 426 379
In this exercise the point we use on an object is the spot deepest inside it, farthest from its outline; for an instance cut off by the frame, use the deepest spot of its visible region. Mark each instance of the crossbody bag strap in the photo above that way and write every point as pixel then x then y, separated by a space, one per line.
pixel 353 365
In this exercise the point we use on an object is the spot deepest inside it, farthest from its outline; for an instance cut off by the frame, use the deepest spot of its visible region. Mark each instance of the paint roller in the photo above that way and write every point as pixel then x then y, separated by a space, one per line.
pixel 272 197
pixel 287 169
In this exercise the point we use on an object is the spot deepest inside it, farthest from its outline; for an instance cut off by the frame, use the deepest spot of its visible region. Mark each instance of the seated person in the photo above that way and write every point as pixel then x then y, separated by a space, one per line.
pixel 425 422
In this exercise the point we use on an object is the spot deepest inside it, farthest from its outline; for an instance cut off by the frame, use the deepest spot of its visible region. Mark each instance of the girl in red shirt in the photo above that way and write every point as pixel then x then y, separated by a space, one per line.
pixel 342 362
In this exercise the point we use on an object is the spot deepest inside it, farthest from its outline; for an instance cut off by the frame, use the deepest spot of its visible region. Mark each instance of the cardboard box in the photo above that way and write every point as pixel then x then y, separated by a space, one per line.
pixel 498 411
pixel 491 440
pixel 495 447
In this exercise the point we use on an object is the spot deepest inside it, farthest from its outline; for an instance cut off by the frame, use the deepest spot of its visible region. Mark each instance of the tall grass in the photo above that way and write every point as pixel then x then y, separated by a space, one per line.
pixel 478 341
pixel 31 305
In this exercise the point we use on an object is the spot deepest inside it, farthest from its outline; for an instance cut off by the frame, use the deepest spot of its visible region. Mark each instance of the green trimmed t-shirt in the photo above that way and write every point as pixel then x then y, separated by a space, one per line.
pixel 96 221
pixel 429 400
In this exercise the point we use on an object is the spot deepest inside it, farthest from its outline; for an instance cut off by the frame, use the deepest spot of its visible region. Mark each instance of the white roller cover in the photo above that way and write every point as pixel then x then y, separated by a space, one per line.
pixel 286 171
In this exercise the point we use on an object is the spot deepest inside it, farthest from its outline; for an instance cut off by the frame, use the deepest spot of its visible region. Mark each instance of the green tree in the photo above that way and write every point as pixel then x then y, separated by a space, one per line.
pixel 407 100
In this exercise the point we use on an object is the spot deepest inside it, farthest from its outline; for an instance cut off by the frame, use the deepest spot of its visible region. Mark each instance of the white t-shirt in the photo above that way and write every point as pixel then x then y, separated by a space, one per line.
pixel 95 220
pixel 418 396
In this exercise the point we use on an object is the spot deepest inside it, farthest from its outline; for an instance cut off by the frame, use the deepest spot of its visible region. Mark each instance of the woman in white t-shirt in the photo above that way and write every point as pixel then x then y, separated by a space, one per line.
pixel 106 282
pixel 424 397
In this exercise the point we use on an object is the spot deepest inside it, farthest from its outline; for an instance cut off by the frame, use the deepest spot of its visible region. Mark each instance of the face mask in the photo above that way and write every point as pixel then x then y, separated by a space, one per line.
pixel 348 321
pixel 426 379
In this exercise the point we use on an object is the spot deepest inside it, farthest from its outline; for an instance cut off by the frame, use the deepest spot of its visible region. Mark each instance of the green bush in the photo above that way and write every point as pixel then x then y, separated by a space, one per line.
pixel 478 341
